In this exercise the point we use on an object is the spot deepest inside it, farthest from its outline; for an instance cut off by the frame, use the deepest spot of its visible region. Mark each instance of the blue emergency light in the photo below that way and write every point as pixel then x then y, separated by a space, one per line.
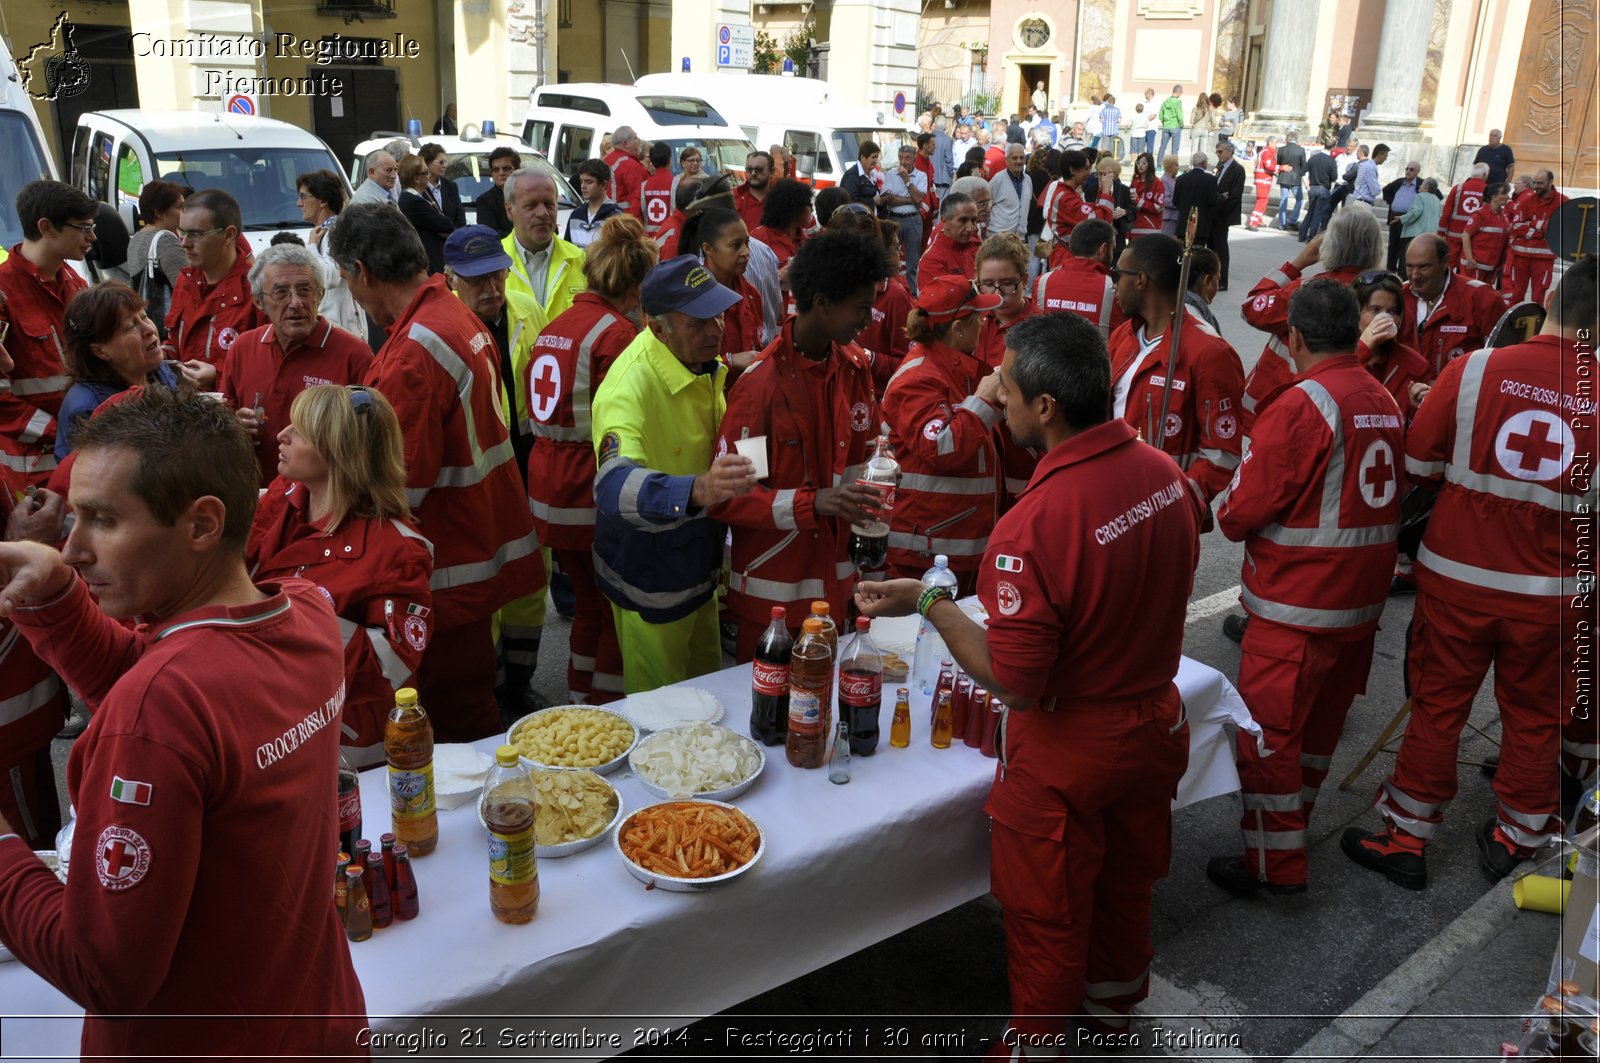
pixel 488 128
pixel 413 127
pixel 685 64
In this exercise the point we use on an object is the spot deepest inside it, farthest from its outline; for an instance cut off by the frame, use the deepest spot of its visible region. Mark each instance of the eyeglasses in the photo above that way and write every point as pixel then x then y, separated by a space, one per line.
pixel 1372 275
pixel 1004 286
pixel 755 169
pixel 1118 274
pixel 86 228
pixel 199 234
pixel 282 293
pixel 360 398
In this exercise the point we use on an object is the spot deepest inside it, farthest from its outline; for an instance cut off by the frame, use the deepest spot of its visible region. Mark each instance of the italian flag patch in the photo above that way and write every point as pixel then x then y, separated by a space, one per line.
pixel 1007 563
pixel 130 792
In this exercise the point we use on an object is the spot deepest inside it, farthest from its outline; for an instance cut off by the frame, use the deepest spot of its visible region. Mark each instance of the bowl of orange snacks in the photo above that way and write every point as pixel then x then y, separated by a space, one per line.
pixel 688 846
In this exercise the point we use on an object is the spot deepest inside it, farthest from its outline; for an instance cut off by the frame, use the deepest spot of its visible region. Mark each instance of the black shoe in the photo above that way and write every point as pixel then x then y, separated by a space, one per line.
pixel 1234 624
pixel 1495 857
pixel 76 724
pixel 1379 851
pixel 1402 584
pixel 1491 764
pixel 1229 873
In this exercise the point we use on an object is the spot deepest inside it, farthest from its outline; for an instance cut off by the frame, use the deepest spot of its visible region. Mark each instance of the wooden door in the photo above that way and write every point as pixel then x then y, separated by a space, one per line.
pixel 371 102
pixel 1552 124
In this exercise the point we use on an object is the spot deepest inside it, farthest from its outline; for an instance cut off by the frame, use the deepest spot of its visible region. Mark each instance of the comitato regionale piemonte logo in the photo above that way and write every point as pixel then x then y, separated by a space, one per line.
pixel 53 69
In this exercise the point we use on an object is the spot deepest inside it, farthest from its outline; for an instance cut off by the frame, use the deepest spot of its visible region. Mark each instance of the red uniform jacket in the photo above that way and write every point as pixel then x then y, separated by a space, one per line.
pixel 1080 286
pixel 1396 367
pixel 203 790
pixel 991 349
pixel 656 195
pixel 1267 308
pixel 30 395
pixel 33 703
pixel 1148 200
pixel 820 420
pixel 667 235
pixel 1510 435
pixel 1529 220
pixel 439 371
pixel 627 181
pixel 205 320
pixel 1317 501
pixel 1266 168
pixel 748 207
pixel 929 207
pixel 782 246
pixel 1487 234
pixel 884 339
pixel 943 437
pixel 1460 205
pixel 1106 523
pixel 258 366
pixel 946 258
pixel 1461 321
pixel 1202 427
pixel 576 350
pixel 375 572
pixel 1017 462
pixel 741 324
pixel 1066 211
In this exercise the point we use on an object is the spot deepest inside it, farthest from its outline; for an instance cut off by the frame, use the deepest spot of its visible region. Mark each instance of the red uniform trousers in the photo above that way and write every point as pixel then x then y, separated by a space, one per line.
pixel 1523 270
pixel 1082 807
pixel 1451 650
pixel 594 668
pixel 455 682
pixel 1299 686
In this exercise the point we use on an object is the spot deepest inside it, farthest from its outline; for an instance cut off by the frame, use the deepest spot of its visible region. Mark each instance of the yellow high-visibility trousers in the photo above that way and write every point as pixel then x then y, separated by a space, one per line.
pixel 658 655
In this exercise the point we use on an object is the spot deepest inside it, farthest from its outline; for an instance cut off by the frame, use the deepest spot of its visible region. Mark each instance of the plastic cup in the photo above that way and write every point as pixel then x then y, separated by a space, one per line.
pixel 1541 893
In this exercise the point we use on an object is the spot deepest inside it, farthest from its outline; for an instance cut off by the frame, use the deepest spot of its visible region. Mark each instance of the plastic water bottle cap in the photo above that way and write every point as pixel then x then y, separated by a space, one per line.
pixel 941 561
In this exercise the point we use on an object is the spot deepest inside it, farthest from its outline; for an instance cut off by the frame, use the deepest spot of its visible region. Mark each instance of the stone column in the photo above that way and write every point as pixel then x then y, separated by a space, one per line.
pixel 1291 38
pixel 1397 81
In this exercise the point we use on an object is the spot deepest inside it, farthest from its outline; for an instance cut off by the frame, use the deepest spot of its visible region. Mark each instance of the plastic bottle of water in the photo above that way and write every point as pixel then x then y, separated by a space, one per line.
pixel 930 644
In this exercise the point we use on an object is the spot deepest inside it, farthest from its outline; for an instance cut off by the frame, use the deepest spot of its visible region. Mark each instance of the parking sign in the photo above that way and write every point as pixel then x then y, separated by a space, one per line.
pixel 736 45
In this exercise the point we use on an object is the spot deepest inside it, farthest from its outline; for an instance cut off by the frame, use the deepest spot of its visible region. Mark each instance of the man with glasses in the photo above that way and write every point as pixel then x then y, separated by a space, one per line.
pixel 1399 194
pixel 297 348
pixel 1082 284
pixel 36 284
pixel 211 303
pixel 749 197
pixel 491 205
pixel 1446 316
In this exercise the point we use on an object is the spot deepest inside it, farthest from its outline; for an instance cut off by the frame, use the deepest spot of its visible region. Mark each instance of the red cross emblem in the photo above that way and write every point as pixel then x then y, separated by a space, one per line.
pixel 546 388
pixel 1535 445
pixel 1378 480
pixel 1008 597
pixel 122 858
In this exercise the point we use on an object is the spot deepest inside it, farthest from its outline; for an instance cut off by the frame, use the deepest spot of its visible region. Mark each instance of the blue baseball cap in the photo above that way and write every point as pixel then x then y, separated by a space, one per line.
pixel 684 284
pixel 474 250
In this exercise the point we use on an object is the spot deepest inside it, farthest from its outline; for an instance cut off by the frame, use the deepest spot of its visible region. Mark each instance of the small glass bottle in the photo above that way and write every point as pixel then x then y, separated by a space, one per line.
pixel 977 715
pixel 839 762
pixel 387 842
pixel 404 899
pixel 358 909
pixel 341 887
pixel 378 892
pixel 900 728
pixel 943 719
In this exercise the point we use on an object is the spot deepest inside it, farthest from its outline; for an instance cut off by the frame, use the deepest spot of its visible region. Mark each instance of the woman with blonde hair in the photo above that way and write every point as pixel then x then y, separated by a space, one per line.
pixel 337 516
pixel 1113 202
pixel 584 341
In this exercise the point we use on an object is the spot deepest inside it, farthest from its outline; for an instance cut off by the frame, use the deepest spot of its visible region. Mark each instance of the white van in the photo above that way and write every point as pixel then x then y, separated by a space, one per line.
pixel 566 123
pixel 803 114
pixel 257 161
pixel 23 156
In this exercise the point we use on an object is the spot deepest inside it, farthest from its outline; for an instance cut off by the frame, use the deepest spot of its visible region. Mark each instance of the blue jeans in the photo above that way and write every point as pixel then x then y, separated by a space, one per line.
pixel 1150 144
pixel 1286 218
pixel 1317 212
pixel 1173 136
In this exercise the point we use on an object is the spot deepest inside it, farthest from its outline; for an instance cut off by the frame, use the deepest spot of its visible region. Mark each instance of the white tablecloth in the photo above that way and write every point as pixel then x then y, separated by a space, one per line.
pixel 846 866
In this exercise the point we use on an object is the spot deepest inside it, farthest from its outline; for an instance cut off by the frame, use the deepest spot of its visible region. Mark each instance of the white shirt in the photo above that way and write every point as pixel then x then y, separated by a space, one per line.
pixel 1425 309
pixel 895 185
pixel 537 264
pixel 1119 394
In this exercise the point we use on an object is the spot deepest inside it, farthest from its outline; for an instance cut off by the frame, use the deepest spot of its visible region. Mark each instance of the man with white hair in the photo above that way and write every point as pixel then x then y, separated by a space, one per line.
pixel 542 264
pixel 976 189
pixel 1498 157
pixel 1459 207
pixel 1010 193
pixel 383 178
pixel 627 172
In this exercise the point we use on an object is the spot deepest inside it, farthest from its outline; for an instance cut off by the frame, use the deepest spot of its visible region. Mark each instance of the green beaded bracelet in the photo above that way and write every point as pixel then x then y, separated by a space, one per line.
pixel 930 595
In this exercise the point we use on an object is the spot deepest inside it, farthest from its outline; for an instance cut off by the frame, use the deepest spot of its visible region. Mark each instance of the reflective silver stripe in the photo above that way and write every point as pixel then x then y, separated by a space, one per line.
pixel 1302 616
pixel 1531 251
pixel 558 433
pixel 1417 828
pixel 1518 490
pixel 628 499
pixel 524 632
pixel 952 547
pixel 1220 458
pixel 783 509
pixel 1107 990
pixel 1418 468
pixel 1248 402
pixel 483 462
pixel 1528 838
pixel 774 591
pixel 1510 582
pixel 1490 229
pixel 37 696
pixel 465 575
pixel 1281 349
pixel 563 515
pixel 1530 820
pixel 39 385
pixel 1308 796
pixel 986 413
pixel 38 424
pixel 394 669
pixel 1377 535
pixel 1115 1019
pixel 28 464
pixel 611 684
pixel 947 485
pixel 1013 485
pixel 582 663
pixel 1409 804
pixel 651 599
pixel 1580 750
pixel 844 569
pixel 582 400
pixel 905 366
pixel 1278 277
pixel 1315 763
pixel 411 533
pixel 1275 839
pixel 1271 802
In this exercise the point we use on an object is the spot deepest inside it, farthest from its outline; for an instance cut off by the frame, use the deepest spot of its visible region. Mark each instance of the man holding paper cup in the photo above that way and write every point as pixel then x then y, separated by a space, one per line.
pixel 657 553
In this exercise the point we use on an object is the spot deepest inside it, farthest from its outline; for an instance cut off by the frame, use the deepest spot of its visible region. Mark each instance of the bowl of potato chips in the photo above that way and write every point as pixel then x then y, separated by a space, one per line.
pixel 574 810
pixel 574 736
pixel 701 761
pixel 688 846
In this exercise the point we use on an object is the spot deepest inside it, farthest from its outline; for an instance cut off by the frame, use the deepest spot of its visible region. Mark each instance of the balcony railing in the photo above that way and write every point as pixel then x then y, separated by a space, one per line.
pixel 356 10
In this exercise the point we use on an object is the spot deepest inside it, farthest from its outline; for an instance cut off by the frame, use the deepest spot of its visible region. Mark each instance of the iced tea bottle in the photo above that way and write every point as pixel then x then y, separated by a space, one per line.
pixel 943 719
pixel 810 697
pixel 900 728
pixel 408 744
pixel 508 811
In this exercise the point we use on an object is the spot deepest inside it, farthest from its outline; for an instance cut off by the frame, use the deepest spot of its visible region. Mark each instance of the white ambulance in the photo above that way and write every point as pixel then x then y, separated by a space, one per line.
pixel 23 156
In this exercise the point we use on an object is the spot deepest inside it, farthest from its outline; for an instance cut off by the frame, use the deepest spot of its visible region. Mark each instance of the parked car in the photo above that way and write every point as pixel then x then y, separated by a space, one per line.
pixel 567 122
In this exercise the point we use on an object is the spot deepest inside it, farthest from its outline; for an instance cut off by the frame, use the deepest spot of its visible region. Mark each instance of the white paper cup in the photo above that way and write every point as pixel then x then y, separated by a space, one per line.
pixel 754 448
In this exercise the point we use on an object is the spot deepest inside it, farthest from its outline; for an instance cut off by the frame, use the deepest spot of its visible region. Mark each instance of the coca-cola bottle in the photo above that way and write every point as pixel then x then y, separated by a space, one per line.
pixel 861 688
pixel 810 697
pixel 869 540
pixel 769 686
pixel 349 805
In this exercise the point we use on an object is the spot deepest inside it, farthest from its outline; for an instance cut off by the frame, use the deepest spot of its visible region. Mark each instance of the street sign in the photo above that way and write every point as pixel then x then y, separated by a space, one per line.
pixel 736 45
pixel 240 103
pixel 899 103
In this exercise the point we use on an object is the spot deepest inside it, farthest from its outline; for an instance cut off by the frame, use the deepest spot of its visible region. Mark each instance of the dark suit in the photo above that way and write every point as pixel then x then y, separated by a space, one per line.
pixel 1196 188
pixel 491 207
pixel 450 203
pixel 1230 200
pixel 431 225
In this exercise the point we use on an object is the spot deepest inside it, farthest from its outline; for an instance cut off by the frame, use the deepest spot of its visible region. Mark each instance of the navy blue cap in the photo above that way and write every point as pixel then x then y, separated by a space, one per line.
pixel 684 284
pixel 474 250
